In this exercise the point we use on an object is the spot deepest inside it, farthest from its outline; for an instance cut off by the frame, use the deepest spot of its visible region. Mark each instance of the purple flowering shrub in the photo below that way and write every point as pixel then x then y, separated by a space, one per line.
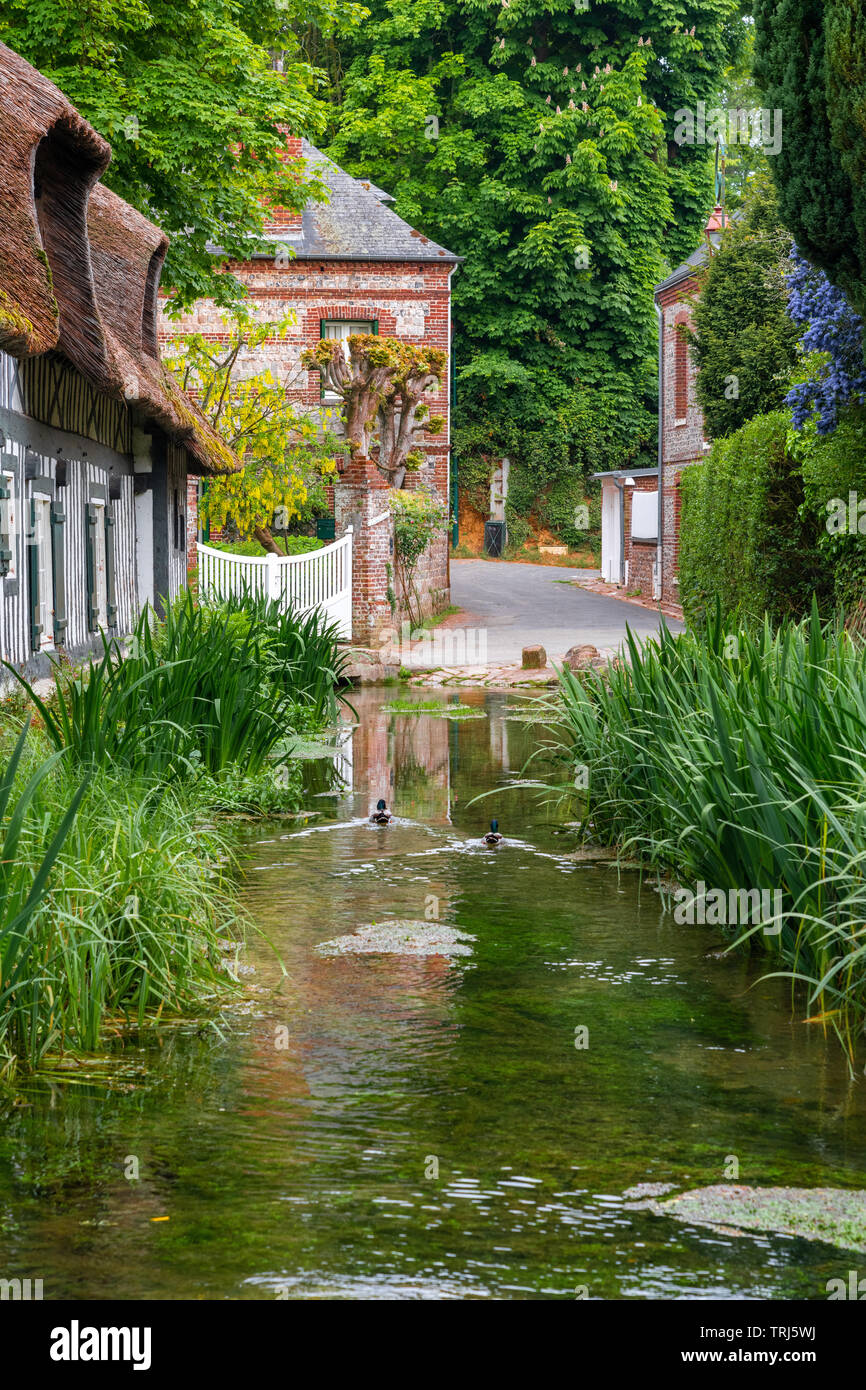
pixel 831 327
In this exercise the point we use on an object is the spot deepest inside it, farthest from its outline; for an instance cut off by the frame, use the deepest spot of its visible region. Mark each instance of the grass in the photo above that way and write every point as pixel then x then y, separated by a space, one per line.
pixel 115 897
pixel 436 618
pixel 737 759
pixel 289 545
pixel 116 885
pixel 585 558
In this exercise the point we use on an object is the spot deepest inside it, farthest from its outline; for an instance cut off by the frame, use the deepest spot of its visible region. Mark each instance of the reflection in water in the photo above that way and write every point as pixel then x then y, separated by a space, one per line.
pixel 387 1126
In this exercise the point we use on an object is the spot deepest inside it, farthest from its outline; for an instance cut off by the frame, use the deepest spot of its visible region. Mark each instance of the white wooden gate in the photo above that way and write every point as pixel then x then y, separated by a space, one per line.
pixel 320 579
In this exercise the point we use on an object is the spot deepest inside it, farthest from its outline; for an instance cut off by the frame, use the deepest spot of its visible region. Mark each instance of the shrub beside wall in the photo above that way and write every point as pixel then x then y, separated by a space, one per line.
pixel 834 467
pixel 746 536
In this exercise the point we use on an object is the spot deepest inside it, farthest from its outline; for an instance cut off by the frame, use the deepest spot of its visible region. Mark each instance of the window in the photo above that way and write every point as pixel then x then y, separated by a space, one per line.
pixel 681 372
pixel 8 526
pixel 343 329
pixel 41 572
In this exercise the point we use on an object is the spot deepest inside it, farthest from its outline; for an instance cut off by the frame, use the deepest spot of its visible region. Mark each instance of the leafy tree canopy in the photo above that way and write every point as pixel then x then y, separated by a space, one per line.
pixel 744 341
pixel 189 97
pixel 285 452
pixel 536 139
pixel 811 65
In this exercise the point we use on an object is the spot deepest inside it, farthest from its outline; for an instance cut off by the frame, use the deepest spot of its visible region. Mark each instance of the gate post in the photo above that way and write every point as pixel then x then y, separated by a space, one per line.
pixel 361 501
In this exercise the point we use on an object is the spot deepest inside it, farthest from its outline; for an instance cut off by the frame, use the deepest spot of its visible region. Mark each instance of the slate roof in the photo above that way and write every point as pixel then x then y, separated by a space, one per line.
pixel 697 259
pixel 354 224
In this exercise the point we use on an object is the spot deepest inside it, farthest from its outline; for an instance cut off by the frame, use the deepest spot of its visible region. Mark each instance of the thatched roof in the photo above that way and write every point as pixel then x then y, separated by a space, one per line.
pixel 80 268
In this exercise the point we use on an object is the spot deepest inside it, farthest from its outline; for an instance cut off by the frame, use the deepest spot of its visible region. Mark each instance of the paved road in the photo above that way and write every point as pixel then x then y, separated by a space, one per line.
pixel 524 604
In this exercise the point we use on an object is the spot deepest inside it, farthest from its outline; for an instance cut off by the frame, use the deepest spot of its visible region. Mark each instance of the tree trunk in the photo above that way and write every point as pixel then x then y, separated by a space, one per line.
pixel 264 537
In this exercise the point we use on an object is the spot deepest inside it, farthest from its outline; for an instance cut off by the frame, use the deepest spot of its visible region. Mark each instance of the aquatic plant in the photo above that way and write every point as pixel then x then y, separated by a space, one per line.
pixel 193 690
pixel 735 758
pixel 302 656
pixel 115 887
pixel 115 900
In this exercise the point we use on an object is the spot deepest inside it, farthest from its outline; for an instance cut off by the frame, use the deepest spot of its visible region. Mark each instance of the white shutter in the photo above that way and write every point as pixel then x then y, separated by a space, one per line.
pixel 644 515
pixel 100 582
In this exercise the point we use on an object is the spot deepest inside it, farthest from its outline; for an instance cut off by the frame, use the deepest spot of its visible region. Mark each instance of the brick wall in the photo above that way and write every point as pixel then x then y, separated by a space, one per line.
pixel 682 423
pixel 640 555
pixel 409 300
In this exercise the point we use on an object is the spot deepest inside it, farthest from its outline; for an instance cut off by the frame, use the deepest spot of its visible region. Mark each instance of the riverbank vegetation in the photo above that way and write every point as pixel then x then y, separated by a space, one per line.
pixel 735 758
pixel 117 883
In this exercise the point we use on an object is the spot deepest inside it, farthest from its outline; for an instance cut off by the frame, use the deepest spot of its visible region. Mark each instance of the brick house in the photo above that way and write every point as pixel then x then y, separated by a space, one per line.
pixel 633 554
pixel 351 265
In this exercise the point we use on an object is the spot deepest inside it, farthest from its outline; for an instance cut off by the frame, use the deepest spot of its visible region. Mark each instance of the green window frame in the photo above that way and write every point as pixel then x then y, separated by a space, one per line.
pixel 336 323
pixel 7 503
pixel 39 603
pixel 93 514
pixel 110 567
pixel 58 571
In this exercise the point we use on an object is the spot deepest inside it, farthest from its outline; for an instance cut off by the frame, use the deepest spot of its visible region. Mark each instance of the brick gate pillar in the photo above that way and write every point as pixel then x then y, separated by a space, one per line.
pixel 361 501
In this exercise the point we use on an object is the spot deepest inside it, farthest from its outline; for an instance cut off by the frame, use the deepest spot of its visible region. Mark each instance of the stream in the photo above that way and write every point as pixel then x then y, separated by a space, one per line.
pixel 393 1126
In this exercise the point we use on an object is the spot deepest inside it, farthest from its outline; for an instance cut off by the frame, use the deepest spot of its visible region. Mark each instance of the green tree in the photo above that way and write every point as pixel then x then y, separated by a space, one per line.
pixel 746 537
pixel 811 65
pixel 195 109
pixel 284 452
pixel 745 344
pixel 536 140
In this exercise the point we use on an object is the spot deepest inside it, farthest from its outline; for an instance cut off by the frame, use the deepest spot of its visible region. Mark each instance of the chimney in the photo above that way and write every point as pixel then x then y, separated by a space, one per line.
pixel 280 220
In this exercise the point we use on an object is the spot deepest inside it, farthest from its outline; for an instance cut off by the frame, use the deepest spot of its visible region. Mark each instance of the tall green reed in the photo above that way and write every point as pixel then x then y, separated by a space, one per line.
pixel 191 691
pixel 113 908
pixel 736 758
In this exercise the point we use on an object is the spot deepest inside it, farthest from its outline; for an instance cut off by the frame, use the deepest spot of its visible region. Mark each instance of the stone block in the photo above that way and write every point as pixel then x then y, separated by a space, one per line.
pixel 578 658
pixel 534 659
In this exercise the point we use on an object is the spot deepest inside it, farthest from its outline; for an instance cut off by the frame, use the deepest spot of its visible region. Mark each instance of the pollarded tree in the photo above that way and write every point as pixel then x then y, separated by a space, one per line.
pixel 744 341
pixel 382 382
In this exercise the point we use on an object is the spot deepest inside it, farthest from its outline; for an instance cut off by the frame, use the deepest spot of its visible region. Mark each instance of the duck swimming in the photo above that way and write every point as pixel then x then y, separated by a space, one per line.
pixel 493 836
pixel 381 815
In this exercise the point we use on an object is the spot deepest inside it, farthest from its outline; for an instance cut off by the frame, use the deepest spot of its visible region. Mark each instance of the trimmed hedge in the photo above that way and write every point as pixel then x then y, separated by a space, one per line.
pixel 745 536
pixel 833 467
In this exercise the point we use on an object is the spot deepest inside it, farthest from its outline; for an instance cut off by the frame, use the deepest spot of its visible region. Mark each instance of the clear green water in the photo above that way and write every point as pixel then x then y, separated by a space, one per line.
pixel 300 1170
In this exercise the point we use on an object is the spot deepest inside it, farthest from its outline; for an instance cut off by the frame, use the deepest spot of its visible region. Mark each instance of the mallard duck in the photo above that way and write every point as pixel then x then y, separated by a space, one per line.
pixel 381 815
pixel 493 836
